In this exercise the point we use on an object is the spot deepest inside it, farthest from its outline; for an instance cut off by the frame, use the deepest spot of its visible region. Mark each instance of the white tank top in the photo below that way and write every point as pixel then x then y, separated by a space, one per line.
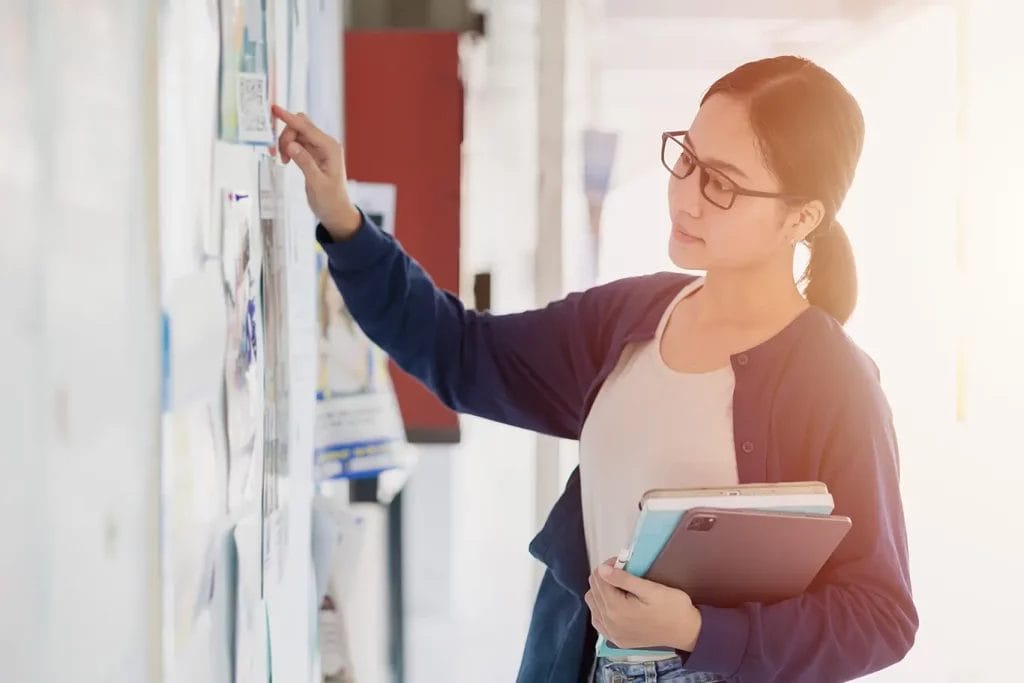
pixel 651 427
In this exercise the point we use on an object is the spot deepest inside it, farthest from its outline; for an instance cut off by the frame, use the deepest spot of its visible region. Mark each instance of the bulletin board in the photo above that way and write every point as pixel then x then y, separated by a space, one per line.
pixel 237 263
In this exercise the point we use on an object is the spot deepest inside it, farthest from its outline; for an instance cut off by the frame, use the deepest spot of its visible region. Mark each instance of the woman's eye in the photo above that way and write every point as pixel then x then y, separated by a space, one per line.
pixel 721 184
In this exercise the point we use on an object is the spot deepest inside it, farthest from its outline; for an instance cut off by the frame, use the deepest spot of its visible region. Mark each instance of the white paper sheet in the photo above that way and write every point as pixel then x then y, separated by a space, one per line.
pixel 196 313
pixel 244 353
pixel 252 644
pixel 377 200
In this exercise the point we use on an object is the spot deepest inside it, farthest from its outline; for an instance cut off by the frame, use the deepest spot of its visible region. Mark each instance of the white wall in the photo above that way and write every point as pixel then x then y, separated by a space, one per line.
pixel 988 526
pixel 79 356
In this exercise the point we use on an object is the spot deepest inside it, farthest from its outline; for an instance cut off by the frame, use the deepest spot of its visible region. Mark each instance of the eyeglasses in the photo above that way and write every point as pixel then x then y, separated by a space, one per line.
pixel 716 187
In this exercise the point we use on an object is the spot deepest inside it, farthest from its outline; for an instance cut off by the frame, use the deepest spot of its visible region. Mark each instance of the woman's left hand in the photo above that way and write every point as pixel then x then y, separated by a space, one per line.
pixel 635 613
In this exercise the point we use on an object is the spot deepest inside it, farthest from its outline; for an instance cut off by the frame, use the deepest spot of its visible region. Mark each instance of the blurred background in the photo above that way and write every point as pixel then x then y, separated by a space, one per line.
pixel 550 180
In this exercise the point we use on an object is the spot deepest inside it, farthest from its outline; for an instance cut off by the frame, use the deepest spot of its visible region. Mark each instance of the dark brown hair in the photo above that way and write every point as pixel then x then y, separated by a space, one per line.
pixel 811 132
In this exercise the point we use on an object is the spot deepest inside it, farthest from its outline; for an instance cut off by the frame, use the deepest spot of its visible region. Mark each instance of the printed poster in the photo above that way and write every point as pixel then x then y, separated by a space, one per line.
pixel 245 73
pixel 359 431
pixel 276 374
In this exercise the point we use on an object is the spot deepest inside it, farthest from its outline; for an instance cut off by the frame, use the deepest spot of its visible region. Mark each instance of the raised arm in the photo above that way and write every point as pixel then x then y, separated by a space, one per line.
pixel 530 369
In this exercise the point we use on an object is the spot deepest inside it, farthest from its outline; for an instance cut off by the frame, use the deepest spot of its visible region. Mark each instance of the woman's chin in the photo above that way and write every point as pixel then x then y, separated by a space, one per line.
pixel 684 256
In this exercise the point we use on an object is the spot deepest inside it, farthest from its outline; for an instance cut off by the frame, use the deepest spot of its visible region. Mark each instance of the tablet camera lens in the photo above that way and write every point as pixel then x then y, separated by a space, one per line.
pixel 701 523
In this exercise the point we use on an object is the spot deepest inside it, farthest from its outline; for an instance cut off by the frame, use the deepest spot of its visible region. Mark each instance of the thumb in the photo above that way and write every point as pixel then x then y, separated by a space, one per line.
pixel 623 580
pixel 304 160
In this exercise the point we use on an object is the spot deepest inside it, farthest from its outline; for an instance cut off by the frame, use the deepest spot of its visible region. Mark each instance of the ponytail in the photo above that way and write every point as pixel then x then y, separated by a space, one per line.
pixel 832 273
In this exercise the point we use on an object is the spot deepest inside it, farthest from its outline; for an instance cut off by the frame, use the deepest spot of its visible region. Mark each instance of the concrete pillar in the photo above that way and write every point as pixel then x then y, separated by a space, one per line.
pixel 562 104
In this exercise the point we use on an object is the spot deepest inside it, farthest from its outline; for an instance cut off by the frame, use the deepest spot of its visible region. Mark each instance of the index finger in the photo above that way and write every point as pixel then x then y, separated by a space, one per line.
pixel 299 123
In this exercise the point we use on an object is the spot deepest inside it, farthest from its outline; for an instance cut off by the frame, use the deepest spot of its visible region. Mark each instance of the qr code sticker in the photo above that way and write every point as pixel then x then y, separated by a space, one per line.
pixel 253 109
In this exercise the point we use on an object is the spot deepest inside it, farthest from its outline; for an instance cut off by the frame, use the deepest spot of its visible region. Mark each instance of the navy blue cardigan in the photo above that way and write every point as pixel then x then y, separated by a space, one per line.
pixel 807 406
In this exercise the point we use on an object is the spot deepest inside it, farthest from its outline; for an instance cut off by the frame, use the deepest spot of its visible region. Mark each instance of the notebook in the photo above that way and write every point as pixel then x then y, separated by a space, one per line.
pixel 661 510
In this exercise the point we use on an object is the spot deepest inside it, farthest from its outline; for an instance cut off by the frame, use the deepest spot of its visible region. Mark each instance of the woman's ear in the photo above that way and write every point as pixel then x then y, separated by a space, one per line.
pixel 803 220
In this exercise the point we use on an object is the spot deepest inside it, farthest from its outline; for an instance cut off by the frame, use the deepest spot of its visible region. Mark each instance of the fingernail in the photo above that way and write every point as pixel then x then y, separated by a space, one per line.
pixel 294 149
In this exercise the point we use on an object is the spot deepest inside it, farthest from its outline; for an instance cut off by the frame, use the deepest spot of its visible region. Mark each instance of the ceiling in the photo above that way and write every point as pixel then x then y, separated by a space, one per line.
pixel 744 9
pixel 678 34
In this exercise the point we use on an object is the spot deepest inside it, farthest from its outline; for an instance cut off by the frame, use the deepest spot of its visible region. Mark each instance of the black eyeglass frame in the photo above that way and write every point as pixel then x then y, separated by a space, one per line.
pixel 705 176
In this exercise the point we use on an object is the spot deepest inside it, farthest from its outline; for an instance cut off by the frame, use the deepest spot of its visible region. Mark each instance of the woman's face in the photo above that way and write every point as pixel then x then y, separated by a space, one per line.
pixel 754 230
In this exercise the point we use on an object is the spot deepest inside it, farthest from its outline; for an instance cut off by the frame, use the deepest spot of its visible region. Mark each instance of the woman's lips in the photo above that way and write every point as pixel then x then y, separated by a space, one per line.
pixel 683 236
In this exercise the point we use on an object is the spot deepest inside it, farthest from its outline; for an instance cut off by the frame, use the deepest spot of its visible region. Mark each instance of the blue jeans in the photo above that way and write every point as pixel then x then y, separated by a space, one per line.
pixel 664 671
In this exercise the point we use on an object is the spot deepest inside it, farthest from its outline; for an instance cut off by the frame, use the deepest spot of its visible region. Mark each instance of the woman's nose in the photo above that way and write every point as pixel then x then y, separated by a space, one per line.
pixel 686 194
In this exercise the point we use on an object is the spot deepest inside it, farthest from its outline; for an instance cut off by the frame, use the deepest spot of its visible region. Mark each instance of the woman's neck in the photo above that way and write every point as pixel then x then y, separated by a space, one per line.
pixel 750 298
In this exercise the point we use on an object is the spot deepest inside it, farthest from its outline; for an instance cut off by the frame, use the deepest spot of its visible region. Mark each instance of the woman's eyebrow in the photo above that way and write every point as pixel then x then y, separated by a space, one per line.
pixel 716 163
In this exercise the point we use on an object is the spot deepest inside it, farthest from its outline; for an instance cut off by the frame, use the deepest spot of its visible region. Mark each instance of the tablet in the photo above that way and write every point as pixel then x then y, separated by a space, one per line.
pixel 726 557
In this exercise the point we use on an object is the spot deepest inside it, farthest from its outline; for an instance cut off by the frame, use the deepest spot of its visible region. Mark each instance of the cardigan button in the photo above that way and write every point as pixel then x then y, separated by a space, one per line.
pixel 748 447
pixel 743 359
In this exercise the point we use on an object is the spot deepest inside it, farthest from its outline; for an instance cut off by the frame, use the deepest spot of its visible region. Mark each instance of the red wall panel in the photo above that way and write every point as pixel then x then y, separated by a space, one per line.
pixel 403 123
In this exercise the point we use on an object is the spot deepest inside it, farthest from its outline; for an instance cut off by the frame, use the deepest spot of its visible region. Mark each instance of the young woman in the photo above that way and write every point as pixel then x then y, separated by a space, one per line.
pixel 671 380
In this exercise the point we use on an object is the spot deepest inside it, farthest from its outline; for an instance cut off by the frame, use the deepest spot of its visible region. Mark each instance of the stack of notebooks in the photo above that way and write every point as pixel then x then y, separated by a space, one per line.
pixel 731 545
